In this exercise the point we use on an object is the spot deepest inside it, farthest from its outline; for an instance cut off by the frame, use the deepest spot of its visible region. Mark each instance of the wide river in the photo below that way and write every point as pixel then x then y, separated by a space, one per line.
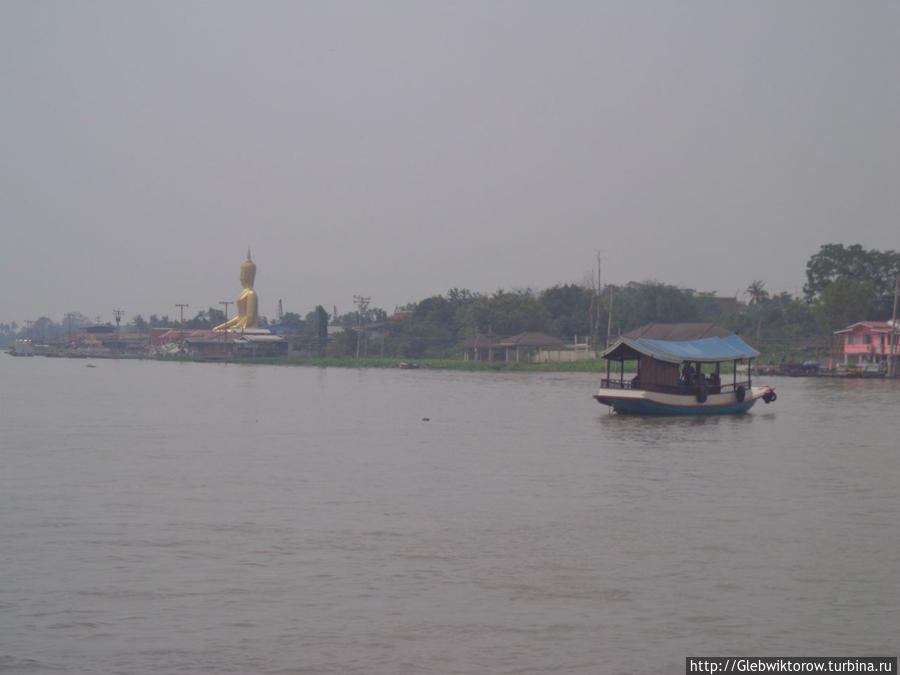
pixel 211 518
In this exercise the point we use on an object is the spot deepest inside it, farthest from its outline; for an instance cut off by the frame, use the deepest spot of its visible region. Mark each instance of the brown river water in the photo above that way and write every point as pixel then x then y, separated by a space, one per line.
pixel 211 518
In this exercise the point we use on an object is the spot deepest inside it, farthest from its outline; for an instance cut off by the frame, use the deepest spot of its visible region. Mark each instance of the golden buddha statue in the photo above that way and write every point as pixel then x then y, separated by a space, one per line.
pixel 247 302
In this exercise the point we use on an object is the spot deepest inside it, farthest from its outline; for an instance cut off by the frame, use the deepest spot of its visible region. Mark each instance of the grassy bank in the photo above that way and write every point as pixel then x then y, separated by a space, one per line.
pixel 591 366
pixel 587 366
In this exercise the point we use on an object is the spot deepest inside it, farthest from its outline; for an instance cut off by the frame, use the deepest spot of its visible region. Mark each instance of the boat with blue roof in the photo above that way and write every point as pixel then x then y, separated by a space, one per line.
pixel 679 371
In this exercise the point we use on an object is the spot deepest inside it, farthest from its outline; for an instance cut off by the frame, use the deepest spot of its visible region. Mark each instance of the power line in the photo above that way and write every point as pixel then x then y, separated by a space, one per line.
pixel 181 306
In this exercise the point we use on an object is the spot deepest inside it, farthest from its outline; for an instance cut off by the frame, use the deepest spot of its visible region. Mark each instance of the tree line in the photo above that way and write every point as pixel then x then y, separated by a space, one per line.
pixel 844 284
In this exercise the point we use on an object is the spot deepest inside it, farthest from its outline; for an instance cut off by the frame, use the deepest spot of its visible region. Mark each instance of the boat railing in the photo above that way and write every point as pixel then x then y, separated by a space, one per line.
pixel 635 383
pixel 615 384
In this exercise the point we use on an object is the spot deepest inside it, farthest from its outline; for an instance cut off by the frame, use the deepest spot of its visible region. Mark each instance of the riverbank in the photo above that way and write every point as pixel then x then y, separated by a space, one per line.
pixel 586 366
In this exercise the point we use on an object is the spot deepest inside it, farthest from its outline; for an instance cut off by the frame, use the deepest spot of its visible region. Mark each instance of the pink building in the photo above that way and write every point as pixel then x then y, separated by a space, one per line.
pixel 867 342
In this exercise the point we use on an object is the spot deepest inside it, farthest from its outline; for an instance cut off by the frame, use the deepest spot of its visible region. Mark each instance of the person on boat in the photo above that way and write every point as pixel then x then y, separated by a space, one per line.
pixel 247 302
pixel 687 375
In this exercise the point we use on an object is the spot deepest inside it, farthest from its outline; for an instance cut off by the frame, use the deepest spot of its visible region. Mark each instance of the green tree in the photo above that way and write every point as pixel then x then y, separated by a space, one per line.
pixel 8 333
pixel 44 329
pixel 757 292
pixel 199 322
pixel 140 324
pixel 292 321
pixel 461 296
pixel 775 323
pixel 637 304
pixel 216 317
pixel 844 302
pixel 343 343
pixel 569 307
pixel 321 324
pixel 836 261
pixel 504 314
pixel 432 329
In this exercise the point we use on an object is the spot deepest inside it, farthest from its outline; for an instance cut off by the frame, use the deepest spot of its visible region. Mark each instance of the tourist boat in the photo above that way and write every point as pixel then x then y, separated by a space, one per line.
pixel 681 377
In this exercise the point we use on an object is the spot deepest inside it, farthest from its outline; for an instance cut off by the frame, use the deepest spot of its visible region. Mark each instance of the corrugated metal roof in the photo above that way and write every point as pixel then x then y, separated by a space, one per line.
pixel 531 339
pixel 679 331
pixel 874 326
pixel 481 342
pixel 709 349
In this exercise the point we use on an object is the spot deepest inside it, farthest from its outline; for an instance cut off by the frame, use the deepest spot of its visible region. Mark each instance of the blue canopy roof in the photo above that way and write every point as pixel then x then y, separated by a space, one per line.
pixel 709 349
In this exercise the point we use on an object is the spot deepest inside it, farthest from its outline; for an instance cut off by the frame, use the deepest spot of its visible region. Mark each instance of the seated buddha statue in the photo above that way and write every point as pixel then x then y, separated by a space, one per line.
pixel 247 302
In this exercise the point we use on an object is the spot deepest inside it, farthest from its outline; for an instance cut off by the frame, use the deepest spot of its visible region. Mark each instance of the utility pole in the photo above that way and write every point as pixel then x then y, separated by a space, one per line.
pixel 759 331
pixel 595 328
pixel 362 305
pixel 892 337
pixel 118 313
pixel 609 320
pixel 226 303
pixel 181 306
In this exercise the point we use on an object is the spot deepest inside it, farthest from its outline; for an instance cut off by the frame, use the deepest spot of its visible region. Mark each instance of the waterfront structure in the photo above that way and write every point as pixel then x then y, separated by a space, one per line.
pixel 480 348
pixel 528 344
pixel 869 342
pixel 22 347
pixel 528 347
pixel 207 345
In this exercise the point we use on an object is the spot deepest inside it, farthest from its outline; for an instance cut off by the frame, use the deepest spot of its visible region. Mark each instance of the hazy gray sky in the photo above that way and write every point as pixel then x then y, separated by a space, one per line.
pixel 397 149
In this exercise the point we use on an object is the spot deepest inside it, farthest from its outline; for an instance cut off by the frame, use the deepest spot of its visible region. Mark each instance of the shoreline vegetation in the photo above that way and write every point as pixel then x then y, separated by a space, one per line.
pixel 845 284
pixel 584 366
pixel 596 365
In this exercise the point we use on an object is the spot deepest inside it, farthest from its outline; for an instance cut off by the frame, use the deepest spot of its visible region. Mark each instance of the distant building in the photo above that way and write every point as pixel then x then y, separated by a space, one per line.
pixel 679 332
pixel 866 342
pixel 100 329
pixel 525 346
pixel 528 347
pixel 480 348
pixel 211 344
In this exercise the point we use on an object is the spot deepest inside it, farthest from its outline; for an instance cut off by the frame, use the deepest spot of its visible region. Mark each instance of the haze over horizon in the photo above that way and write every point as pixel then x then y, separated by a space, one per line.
pixel 396 150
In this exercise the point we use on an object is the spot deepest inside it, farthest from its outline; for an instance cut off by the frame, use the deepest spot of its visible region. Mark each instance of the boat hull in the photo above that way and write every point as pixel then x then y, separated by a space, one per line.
pixel 640 402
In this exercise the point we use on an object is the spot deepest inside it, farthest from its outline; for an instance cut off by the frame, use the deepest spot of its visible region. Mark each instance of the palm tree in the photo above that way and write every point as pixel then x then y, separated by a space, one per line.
pixel 757 292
